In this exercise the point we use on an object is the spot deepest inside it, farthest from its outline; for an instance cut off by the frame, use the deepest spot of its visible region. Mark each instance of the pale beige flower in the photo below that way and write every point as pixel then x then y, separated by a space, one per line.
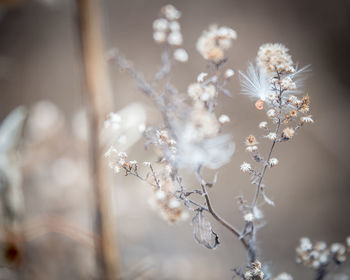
pixel 288 132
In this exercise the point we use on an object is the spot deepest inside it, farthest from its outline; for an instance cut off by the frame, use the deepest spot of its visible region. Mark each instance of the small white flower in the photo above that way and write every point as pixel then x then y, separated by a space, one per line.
pixel 170 12
pixel 245 167
pixel 121 161
pixel 288 132
pixel 305 244
pixel 210 90
pixel 174 203
pixel 110 150
pixel 271 136
pixel 288 83
pixel 194 91
pixel 248 275
pixel 336 247
pixel 114 121
pixel 251 149
pixel 181 55
pixel 201 77
pixel 122 155
pixel 324 257
pixel 175 38
pixel 284 276
pixel 224 119
pixel 307 119
pixel 159 37
pixel 160 24
pixel 271 96
pixel 229 73
pixel 160 195
pixel 248 217
pixel 133 162
pixel 174 26
pixel 263 125
pixel 271 113
pixel 146 163
pixel 273 162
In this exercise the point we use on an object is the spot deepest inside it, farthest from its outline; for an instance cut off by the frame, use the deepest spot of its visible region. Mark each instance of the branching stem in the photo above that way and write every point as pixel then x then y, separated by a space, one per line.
pixel 215 215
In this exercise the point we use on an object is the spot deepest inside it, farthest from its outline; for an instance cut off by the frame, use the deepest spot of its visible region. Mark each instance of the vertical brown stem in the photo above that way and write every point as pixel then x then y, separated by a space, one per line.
pixel 99 97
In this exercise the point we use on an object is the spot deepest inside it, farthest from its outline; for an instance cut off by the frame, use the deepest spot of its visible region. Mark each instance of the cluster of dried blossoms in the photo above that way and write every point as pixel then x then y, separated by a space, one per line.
pixel 164 198
pixel 319 256
pixel 255 271
pixel 214 41
pixel 167 30
pixel 273 83
pixel 190 136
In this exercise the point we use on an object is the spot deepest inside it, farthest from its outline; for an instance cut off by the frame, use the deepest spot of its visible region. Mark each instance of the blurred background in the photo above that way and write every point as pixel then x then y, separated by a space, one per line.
pixel 41 67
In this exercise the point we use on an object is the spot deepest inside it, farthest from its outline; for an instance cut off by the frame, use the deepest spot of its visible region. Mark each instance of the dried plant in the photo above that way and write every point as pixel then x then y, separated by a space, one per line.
pixel 190 137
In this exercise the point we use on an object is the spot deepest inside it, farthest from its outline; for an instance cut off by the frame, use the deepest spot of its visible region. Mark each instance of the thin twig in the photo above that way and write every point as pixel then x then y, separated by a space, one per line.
pixel 215 215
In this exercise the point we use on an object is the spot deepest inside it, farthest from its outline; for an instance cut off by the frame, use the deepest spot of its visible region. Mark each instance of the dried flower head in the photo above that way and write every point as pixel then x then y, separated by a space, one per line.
pixel 273 162
pixel 246 167
pixel 263 125
pixel 251 140
pixel 288 133
pixel 254 272
pixel 170 12
pixel 306 119
pixel 274 57
pixel 214 41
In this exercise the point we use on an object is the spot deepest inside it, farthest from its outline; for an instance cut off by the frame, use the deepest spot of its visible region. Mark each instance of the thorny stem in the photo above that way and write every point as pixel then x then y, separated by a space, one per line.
pixel 215 215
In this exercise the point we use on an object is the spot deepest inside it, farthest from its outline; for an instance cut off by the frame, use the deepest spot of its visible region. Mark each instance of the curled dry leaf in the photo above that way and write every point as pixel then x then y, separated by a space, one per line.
pixel 203 233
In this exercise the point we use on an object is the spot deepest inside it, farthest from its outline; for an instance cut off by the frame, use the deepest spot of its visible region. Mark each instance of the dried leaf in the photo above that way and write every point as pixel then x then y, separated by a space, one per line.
pixel 203 233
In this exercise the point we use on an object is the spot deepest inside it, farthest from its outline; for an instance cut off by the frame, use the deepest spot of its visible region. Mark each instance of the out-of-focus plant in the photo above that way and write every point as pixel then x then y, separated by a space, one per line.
pixel 190 137
pixel 11 196
pixel 320 257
